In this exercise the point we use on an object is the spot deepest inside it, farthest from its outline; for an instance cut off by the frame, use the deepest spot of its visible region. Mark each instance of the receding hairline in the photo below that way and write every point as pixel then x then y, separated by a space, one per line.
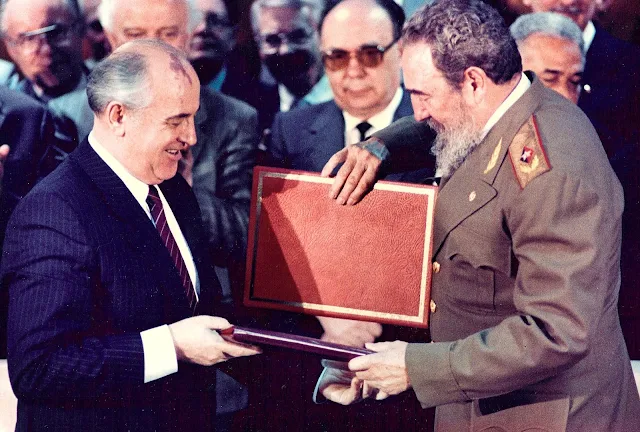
pixel 71 6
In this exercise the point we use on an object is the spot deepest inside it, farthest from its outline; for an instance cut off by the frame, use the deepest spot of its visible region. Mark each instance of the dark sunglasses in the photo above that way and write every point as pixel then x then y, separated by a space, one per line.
pixel 367 55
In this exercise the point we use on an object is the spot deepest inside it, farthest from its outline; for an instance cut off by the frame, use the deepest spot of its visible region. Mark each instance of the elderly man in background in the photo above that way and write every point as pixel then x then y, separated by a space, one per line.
pixel 44 41
pixel 551 45
pixel 102 332
pixel 286 32
pixel 526 246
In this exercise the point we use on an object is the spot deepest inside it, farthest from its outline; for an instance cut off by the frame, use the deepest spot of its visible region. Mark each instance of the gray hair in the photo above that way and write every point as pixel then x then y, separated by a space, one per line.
pixel 122 77
pixel 314 9
pixel 72 6
pixel 462 34
pixel 107 11
pixel 550 24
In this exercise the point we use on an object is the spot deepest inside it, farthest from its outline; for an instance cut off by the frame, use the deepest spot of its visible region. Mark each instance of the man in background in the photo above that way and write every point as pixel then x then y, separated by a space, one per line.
pixel 44 41
pixel 286 32
pixel 551 45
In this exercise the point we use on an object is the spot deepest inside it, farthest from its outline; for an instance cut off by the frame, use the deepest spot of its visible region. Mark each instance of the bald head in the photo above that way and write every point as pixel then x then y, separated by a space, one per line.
pixel 362 85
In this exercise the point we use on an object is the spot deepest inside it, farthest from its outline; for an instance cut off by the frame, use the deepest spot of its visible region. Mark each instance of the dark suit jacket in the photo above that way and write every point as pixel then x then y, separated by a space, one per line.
pixel 86 273
pixel 524 299
pixel 612 70
pixel 223 158
pixel 35 151
pixel 306 138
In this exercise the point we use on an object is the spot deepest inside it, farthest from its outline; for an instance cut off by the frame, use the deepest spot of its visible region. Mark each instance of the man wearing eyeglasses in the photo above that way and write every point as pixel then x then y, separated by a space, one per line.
pixel 286 32
pixel 44 40
pixel 362 62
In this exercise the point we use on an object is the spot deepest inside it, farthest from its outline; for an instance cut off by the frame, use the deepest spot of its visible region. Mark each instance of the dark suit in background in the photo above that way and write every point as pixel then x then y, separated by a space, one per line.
pixel 612 71
pixel 306 138
pixel 27 127
pixel 87 273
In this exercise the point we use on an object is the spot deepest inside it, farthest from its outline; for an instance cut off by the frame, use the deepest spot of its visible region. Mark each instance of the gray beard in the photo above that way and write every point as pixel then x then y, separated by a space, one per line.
pixel 451 147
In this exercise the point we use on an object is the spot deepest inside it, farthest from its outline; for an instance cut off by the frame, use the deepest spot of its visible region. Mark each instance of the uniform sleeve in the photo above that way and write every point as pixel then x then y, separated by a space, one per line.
pixel 409 143
pixel 50 272
pixel 565 237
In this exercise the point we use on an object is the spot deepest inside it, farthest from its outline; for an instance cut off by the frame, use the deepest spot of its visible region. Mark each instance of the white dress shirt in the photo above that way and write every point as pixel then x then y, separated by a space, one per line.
pixel 378 121
pixel 159 351
pixel 516 93
pixel 319 93
pixel 587 36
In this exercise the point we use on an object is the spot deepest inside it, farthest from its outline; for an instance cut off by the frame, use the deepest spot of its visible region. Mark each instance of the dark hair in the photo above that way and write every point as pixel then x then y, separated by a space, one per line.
pixel 393 9
pixel 462 34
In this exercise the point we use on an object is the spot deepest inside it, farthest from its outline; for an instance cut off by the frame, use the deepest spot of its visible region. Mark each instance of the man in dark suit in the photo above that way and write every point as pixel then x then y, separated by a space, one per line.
pixel 611 91
pixel 219 167
pixel 105 269
pixel 525 246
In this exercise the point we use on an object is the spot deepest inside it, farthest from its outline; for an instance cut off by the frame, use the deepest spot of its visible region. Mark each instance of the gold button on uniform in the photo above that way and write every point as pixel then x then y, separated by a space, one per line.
pixel 432 306
pixel 436 266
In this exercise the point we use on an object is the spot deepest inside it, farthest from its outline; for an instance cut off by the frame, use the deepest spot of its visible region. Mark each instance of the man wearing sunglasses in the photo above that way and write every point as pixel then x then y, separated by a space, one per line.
pixel 362 62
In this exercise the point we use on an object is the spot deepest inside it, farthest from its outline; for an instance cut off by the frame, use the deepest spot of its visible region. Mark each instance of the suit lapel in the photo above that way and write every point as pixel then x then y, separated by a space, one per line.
pixel 471 186
pixel 326 134
pixel 138 230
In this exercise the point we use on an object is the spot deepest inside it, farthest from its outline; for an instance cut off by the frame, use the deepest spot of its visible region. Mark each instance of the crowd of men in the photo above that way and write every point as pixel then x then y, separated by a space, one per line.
pixel 117 113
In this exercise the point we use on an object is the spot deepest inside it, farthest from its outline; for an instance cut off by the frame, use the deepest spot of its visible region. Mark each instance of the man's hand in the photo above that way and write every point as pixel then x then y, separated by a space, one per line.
pixel 340 386
pixel 4 153
pixel 357 175
pixel 197 341
pixel 349 332
pixel 383 373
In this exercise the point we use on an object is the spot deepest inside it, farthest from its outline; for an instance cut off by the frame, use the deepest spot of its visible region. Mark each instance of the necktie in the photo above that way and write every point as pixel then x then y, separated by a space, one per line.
pixel 363 128
pixel 160 221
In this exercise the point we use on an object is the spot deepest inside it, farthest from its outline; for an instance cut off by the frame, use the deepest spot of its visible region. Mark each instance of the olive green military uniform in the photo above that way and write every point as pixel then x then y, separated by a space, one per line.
pixel 526 276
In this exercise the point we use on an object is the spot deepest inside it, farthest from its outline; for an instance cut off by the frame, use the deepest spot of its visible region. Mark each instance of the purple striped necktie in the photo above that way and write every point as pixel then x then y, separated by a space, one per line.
pixel 160 221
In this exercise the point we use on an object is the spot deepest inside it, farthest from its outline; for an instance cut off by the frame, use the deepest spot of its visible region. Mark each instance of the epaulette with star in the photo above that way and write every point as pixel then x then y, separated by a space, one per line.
pixel 527 154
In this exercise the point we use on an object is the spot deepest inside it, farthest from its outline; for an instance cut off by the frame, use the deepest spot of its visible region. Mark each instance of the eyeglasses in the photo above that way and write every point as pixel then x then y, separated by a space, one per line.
pixel 367 55
pixel 297 37
pixel 55 34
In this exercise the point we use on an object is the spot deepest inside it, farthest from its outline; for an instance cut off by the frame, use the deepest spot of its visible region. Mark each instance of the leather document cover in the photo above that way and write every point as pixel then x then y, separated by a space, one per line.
pixel 370 261
pixel 328 350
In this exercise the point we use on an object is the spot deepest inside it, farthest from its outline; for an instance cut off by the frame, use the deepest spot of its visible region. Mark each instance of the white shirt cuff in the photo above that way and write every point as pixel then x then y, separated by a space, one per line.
pixel 160 357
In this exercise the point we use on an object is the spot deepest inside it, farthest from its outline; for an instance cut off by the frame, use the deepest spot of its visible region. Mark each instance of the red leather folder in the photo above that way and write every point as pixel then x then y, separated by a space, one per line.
pixel 370 261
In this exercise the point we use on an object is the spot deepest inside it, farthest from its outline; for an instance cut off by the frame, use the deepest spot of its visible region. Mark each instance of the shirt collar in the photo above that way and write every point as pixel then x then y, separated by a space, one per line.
pixel 513 97
pixel 40 95
pixel 378 121
pixel 588 34
pixel 218 81
pixel 138 188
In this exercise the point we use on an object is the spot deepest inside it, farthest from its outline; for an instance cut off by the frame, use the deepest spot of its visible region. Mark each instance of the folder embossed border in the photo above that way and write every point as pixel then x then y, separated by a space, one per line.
pixel 370 261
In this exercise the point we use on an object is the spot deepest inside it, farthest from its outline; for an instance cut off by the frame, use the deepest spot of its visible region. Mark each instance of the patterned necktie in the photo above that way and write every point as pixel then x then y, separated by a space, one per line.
pixel 160 221
pixel 363 128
